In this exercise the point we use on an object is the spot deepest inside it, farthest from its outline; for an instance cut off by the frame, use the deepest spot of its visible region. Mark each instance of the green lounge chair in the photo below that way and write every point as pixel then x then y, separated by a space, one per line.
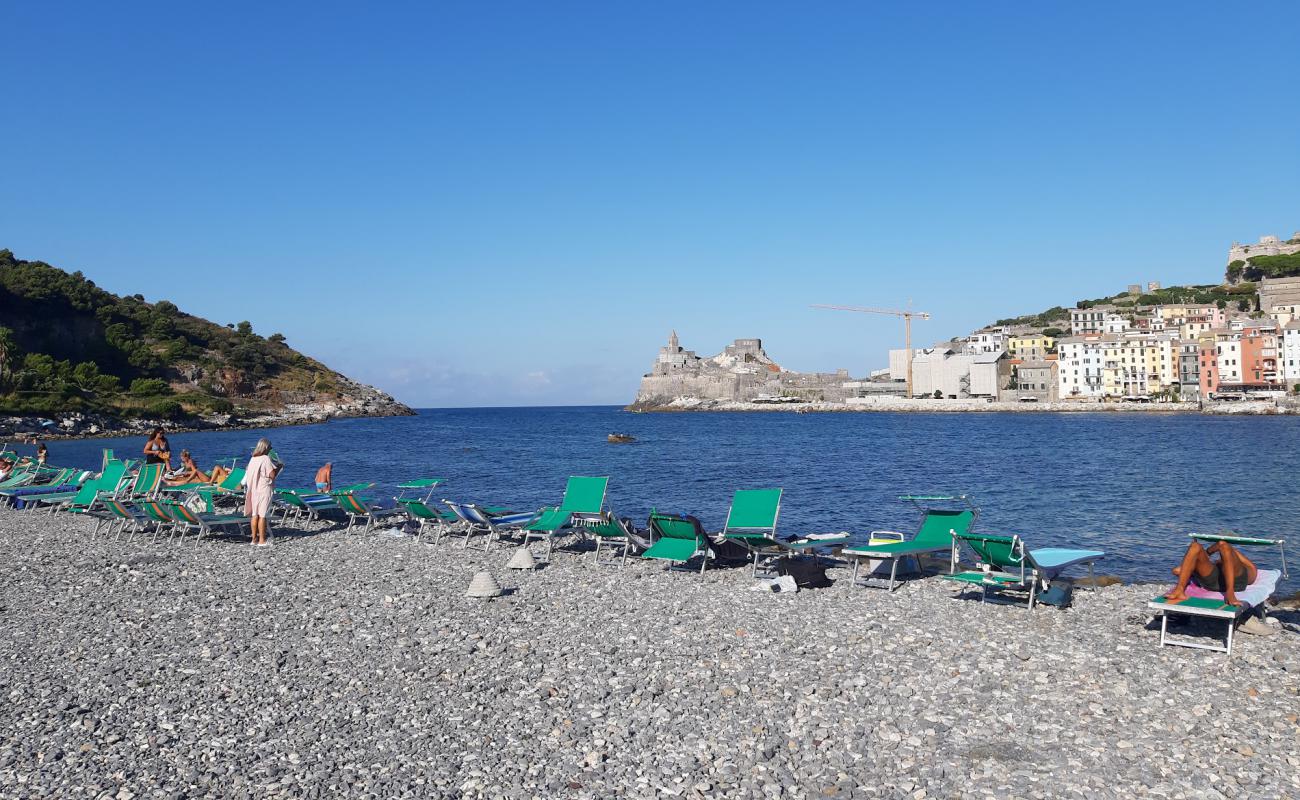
pixel 1211 606
pixel 584 500
pixel 25 485
pixel 122 516
pixel 677 539
pixel 425 515
pixel 357 508
pixel 1007 564
pixel 84 497
pixel 147 481
pixel 751 523
pixel 934 536
pixel 612 532
pixel 304 503
pixel 205 524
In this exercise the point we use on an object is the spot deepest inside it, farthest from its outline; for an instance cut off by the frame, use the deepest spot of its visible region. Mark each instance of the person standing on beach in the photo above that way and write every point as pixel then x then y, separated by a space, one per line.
pixel 325 477
pixel 158 450
pixel 259 486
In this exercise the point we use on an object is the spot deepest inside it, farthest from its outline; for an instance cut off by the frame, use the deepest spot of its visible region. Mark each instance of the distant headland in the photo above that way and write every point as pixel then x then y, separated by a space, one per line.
pixel 76 360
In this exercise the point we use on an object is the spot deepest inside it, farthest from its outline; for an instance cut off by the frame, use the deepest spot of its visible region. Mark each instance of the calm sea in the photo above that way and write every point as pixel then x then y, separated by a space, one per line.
pixel 1132 484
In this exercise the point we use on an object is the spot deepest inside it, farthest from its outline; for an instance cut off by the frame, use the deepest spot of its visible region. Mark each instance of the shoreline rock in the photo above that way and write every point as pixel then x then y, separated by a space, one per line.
pixel 78 425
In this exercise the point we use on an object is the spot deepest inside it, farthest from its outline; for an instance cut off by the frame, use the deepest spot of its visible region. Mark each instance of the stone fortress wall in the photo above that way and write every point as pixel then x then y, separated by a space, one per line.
pixel 741 372
pixel 1266 246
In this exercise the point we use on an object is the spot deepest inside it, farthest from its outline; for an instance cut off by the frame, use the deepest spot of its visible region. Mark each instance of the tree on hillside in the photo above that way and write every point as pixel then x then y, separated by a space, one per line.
pixel 8 356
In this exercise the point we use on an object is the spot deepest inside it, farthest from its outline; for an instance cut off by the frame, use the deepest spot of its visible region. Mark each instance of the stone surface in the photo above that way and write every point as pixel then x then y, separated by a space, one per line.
pixel 346 665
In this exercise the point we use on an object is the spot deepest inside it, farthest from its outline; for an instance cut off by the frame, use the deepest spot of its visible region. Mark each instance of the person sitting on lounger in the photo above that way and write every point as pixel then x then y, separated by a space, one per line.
pixel 1232 573
pixel 219 474
pixel 6 467
pixel 325 477
pixel 187 472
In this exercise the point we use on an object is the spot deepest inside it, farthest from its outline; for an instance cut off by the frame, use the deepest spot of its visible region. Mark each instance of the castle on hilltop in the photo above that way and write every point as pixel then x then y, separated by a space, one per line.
pixel 743 371
pixel 1266 246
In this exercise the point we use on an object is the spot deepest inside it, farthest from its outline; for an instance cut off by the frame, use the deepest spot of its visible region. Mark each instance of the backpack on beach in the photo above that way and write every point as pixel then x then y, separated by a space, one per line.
pixel 1058 594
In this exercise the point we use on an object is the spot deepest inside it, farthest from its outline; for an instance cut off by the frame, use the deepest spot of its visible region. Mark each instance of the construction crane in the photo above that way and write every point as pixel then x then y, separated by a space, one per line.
pixel 906 314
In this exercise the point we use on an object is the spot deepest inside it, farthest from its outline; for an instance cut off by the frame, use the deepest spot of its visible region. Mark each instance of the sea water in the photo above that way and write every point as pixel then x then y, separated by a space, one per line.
pixel 1132 484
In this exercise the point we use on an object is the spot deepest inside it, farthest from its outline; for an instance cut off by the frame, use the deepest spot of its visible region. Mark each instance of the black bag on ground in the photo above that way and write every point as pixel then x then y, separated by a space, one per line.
pixel 807 573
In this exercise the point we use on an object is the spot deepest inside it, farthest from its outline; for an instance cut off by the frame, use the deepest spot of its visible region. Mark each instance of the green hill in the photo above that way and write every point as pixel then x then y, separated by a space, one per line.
pixel 1257 267
pixel 1056 320
pixel 66 345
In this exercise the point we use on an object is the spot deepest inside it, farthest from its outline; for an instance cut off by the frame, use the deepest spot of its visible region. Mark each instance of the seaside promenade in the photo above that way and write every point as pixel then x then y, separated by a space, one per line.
pixel 336 665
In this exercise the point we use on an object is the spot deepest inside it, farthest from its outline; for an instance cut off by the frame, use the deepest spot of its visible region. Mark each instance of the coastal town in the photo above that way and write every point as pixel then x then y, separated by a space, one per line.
pixel 1146 345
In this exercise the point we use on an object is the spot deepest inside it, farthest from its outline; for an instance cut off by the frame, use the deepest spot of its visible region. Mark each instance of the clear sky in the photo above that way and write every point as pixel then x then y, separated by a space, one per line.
pixel 513 203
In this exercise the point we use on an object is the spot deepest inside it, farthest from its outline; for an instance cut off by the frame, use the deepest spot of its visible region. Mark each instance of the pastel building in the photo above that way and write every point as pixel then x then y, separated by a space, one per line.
pixel 1087 320
pixel 1079 367
pixel 1030 346
pixel 1245 360
pixel 1291 353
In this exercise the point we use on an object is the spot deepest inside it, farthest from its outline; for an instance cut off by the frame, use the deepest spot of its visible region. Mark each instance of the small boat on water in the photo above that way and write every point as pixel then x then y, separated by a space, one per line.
pixel 621 438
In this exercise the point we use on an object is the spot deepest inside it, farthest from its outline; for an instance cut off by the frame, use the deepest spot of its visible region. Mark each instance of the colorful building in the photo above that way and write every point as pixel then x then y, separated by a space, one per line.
pixel 1034 346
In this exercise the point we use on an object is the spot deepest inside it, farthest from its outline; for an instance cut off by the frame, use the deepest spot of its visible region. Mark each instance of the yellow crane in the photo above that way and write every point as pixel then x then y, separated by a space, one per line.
pixel 906 314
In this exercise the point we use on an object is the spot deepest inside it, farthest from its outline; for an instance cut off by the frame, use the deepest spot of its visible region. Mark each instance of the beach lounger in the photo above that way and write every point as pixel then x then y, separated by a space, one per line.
pixel 145 485
pixel 1210 606
pixel 492 523
pixel 38 482
pixel 584 500
pixel 205 524
pixel 425 515
pixel 122 516
pixel 84 497
pixel 933 537
pixel 356 508
pixel 677 539
pixel 751 522
pixel 614 533
pixel 304 503
pixel 1006 563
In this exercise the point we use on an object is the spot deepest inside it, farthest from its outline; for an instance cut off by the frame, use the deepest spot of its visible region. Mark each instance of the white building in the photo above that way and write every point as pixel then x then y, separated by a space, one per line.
pixel 1079 367
pixel 1291 353
pixel 1227 354
pixel 986 374
pixel 1114 323
pixel 1087 320
pixel 989 340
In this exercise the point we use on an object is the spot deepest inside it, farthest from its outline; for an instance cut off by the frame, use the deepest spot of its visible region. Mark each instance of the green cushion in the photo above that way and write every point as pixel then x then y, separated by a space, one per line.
pixel 585 495
pixel 978 577
pixel 1201 603
pixel 549 521
pixel 754 508
pixel 673 549
pixel 897 549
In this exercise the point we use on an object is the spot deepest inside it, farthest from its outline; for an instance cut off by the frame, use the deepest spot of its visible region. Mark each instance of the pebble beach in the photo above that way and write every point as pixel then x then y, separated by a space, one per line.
pixel 343 665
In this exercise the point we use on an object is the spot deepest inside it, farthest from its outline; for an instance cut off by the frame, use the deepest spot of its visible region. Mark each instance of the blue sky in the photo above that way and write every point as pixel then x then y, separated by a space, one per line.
pixel 512 204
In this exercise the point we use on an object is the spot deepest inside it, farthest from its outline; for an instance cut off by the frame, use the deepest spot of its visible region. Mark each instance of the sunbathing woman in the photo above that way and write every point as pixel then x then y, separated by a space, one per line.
pixel 187 472
pixel 1232 573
